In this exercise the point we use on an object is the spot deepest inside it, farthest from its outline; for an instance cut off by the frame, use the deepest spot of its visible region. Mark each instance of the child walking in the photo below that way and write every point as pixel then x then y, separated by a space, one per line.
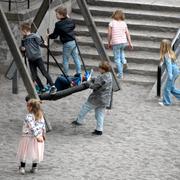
pixel 168 57
pixel 31 44
pixel 31 145
pixel 118 36
pixel 65 29
pixel 99 99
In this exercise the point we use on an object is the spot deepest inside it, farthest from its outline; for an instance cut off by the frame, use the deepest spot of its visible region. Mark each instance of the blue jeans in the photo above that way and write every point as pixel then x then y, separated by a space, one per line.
pixel 170 89
pixel 119 57
pixel 70 49
pixel 99 114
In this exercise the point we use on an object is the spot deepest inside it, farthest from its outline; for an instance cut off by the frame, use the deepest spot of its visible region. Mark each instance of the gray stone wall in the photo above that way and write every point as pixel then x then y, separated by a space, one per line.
pixel 48 22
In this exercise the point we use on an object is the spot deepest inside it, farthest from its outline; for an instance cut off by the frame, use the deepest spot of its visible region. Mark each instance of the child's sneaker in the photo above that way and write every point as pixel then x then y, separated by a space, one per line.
pixel 34 170
pixel 53 90
pixel 22 170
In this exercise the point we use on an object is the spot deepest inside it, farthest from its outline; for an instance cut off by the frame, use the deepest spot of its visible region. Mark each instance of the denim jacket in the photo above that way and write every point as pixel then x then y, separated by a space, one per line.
pixel 171 67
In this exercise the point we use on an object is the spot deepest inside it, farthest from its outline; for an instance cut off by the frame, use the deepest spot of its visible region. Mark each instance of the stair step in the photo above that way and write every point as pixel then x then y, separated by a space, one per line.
pixel 137 44
pixel 133 13
pixel 133 56
pixel 135 34
pixel 138 4
pixel 132 24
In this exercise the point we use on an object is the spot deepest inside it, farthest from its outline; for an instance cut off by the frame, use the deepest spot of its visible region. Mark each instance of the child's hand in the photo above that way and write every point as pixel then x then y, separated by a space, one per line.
pixel 40 139
pixel 109 46
pixel 22 48
pixel 130 46
pixel 45 43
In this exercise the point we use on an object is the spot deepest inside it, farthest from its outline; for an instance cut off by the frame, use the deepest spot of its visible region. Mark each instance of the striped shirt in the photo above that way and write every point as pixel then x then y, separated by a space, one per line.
pixel 119 30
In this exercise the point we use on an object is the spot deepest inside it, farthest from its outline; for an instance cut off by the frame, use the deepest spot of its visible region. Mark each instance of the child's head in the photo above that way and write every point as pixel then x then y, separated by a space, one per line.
pixel 61 12
pixel 165 48
pixel 25 28
pixel 34 106
pixel 104 66
pixel 118 15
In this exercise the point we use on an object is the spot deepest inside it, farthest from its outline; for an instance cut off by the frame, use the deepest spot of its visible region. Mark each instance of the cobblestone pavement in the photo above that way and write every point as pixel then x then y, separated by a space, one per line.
pixel 141 139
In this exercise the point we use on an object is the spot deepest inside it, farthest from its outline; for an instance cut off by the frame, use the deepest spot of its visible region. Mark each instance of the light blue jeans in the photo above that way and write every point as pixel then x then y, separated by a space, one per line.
pixel 99 114
pixel 70 49
pixel 119 57
pixel 170 89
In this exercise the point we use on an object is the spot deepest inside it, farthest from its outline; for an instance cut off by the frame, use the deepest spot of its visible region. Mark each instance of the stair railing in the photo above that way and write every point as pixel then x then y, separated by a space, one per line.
pixel 13 1
pixel 161 73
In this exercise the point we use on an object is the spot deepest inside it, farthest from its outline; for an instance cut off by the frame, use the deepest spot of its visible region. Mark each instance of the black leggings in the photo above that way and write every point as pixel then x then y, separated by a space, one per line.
pixel 23 164
pixel 38 63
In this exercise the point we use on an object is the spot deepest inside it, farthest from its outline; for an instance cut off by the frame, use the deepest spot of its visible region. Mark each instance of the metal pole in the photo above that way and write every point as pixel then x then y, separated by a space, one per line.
pixel 28 4
pixel 15 83
pixel 159 81
pixel 17 55
pixel 9 5
pixel 40 14
pixel 96 38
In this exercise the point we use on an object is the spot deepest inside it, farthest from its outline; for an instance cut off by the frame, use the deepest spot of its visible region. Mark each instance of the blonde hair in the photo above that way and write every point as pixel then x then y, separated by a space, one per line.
pixel 165 48
pixel 35 108
pixel 26 26
pixel 61 10
pixel 118 15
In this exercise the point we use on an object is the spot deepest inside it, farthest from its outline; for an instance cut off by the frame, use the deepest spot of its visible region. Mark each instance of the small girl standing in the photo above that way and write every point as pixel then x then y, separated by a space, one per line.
pixel 167 56
pixel 118 36
pixel 31 145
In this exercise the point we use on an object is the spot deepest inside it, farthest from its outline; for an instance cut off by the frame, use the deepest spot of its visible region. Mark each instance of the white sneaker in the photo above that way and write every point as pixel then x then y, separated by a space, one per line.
pixel 161 103
pixel 22 170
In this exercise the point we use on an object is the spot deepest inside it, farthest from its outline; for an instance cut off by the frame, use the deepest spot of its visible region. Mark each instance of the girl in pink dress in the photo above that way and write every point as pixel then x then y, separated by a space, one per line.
pixel 31 145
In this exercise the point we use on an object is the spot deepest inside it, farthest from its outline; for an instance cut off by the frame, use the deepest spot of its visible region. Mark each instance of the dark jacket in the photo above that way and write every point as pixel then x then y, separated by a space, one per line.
pixel 65 29
pixel 32 43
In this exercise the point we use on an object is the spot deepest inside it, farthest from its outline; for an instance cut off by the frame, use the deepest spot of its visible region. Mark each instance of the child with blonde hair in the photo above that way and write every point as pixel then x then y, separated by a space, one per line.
pixel 118 37
pixel 168 57
pixel 31 145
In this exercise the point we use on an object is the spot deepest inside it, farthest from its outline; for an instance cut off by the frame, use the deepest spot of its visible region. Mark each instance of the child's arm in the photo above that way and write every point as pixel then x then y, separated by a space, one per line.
pixel 169 67
pixel 55 33
pixel 109 36
pixel 96 83
pixel 129 39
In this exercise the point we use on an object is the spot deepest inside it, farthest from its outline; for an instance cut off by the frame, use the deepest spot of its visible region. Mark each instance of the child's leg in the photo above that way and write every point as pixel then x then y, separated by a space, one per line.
pixel 84 110
pixel 22 168
pixel 75 57
pixel 117 60
pixel 167 100
pixel 99 115
pixel 33 69
pixel 34 167
pixel 41 67
pixel 67 49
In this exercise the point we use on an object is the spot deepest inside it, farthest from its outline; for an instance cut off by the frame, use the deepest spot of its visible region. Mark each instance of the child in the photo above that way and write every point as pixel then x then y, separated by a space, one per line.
pixel 99 99
pixel 31 45
pixel 31 146
pixel 167 56
pixel 65 29
pixel 118 36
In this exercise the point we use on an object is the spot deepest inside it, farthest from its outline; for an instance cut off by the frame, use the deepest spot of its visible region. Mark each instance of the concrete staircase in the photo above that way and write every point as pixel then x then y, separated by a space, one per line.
pixel 148 25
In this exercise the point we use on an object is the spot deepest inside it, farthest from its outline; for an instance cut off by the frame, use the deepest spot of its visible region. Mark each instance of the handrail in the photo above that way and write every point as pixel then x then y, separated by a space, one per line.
pixel 161 68
pixel 14 1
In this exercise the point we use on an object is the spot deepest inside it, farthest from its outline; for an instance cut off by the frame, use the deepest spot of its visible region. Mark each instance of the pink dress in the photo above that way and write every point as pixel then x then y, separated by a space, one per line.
pixel 30 150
